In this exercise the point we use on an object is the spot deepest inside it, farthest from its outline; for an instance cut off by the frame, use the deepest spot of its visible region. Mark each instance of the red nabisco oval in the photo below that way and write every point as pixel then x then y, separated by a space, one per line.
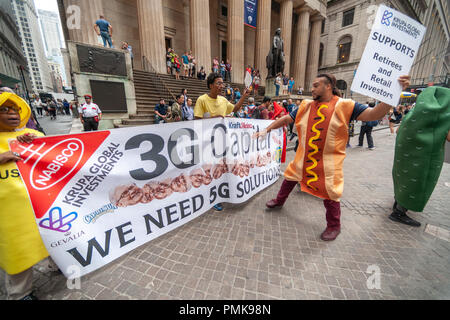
pixel 56 164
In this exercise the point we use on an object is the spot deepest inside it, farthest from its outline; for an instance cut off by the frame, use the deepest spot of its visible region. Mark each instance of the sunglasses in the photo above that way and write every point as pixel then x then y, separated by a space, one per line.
pixel 5 109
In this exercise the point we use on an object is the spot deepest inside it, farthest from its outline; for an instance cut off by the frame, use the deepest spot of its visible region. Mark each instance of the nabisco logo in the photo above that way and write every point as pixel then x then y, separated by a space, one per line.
pixel 56 164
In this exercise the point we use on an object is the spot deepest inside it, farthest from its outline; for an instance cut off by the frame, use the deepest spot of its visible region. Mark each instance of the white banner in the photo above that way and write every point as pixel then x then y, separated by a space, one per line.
pixel 99 195
pixel 390 52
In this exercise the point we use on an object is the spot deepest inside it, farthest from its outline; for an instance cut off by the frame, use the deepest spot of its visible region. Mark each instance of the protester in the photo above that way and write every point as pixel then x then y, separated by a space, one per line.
pixel 161 111
pixel 90 114
pixel 311 162
pixel 251 106
pixel 420 153
pixel 262 112
pixel 104 29
pixel 21 244
pixel 366 129
pixel 212 104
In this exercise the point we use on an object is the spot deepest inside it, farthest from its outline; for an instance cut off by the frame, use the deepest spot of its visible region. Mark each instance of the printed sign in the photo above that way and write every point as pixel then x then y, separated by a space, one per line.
pixel 99 195
pixel 250 13
pixel 390 52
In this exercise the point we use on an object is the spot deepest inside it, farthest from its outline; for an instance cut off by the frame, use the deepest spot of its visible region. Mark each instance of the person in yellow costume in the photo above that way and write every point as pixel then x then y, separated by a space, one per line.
pixel 21 246
pixel 322 126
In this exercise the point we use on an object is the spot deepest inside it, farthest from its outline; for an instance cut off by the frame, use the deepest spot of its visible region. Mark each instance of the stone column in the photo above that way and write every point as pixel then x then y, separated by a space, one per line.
pixel 151 32
pixel 92 12
pixel 200 34
pixel 236 39
pixel 263 36
pixel 286 32
pixel 312 63
pixel 301 49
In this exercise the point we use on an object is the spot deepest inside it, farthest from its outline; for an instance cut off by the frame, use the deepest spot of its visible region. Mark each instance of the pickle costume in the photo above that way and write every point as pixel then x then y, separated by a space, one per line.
pixel 21 245
pixel 318 163
pixel 419 152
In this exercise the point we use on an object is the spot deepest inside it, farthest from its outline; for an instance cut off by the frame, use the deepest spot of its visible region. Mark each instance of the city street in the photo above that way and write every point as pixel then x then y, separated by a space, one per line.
pixel 250 252
pixel 61 125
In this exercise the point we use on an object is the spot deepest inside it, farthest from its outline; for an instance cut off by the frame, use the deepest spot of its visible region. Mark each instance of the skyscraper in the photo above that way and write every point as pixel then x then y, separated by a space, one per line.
pixel 33 48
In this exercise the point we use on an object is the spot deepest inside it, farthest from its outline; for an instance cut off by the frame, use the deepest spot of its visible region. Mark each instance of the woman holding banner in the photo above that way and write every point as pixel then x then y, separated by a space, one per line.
pixel 21 246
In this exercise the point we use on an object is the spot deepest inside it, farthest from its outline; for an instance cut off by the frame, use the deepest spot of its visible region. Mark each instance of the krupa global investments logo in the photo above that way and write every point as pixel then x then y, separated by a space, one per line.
pixel 386 18
pixel 56 221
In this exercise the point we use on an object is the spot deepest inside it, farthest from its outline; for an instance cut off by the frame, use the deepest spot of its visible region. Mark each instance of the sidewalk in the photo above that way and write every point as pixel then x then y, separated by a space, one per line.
pixel 248 252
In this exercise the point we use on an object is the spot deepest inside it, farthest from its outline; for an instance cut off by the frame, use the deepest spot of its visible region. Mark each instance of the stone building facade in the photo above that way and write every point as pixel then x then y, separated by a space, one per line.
pixel 210 28
pixel 347 27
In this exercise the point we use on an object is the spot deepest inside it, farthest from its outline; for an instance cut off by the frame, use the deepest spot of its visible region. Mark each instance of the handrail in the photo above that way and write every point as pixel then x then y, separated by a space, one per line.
pixel 147 66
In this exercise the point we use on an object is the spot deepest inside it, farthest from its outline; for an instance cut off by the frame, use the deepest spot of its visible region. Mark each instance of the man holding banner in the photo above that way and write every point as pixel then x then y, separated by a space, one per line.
pixel 322 125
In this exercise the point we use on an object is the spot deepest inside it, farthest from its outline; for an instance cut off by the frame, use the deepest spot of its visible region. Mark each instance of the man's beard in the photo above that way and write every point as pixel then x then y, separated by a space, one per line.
pixel 317 98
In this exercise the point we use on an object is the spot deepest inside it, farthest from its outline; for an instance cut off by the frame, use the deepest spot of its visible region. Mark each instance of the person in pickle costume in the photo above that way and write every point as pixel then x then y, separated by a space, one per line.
pixel 21 246
pixel 419 153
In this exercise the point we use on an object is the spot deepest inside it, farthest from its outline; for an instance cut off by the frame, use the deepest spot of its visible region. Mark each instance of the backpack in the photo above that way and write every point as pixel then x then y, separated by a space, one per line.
pixel 228 92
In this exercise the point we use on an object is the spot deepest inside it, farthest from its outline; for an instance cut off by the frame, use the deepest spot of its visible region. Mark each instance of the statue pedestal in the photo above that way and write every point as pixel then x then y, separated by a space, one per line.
pixel 270 87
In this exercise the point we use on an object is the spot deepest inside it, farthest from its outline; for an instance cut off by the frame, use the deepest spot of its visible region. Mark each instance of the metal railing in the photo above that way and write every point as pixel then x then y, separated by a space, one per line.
pixel 156 80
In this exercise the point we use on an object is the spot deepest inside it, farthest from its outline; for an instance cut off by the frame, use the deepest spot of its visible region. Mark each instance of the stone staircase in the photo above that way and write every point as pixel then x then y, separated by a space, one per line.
pixel 150 87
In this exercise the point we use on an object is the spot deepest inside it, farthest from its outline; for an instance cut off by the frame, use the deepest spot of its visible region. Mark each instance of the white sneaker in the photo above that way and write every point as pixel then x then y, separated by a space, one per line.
pixel 373 148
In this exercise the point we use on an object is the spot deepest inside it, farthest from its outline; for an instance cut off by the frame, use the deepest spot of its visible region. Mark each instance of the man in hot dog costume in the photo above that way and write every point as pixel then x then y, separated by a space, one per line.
pixel 322 126
pixel 419 153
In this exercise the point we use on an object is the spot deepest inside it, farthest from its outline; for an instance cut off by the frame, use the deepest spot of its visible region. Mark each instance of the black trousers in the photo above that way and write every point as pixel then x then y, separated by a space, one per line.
pixel 90 124
pixel 366 130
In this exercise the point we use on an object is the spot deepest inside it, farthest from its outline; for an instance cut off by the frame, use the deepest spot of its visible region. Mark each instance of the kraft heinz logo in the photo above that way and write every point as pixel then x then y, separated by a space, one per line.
pixel 53 165
pixel 49 163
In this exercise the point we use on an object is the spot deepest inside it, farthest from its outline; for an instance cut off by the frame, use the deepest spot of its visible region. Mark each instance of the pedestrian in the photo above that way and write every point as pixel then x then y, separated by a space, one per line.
pixel 257 82
pixel 366 129
pixel 228 69
pixel 176 65
pixel 169 61
pixel 278 84
pixel 223 69
pixel 395 117
pixel 285 84
pixel 104 29
pixel 174 112
pixel 39 106
pixel 66 106
pixel 215 65
pixel 21 244
pixel 74 107
pixel 251 107
pixel 229 92
pixel 51 105
pixel 161 111
pixel 126 46
pixel 202 74
pixel 300 91
pixel 188 110
pixel 212 104
pixel 185 60
pixel 291 85
pixel 319 172
pixel 262 111
pixel 90 114
pixel 237 95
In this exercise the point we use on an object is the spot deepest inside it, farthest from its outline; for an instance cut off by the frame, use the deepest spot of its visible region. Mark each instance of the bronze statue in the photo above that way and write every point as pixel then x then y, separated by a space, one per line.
pixel 275 59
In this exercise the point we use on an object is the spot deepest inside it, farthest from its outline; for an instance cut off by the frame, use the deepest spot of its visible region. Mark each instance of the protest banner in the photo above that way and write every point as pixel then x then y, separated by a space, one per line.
pixel 389 53
pixel 99 195
pixel 250 13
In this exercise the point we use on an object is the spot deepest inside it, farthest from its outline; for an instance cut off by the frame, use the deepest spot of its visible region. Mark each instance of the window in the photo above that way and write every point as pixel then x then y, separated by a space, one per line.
pixel 322 30
pixel 344 47
pixel 347 17
pixel 224 11
pixel 320 54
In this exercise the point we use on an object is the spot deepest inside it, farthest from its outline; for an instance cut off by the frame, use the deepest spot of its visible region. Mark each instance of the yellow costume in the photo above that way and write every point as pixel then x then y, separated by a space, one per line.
pixel 322 134
pixel 21 245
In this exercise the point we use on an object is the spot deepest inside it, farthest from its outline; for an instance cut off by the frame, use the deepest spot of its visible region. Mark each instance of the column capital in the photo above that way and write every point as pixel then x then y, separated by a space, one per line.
pixel 316 17
pixel 302 9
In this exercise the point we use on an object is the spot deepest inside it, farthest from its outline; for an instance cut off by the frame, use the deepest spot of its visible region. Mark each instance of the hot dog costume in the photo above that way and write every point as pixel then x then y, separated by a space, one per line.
pixel 21 245
pixel 322 134
pixel 420 148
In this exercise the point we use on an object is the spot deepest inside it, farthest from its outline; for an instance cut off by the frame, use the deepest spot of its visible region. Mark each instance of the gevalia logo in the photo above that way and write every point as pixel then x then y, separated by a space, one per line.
pixel 49 163
pixel 56 164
